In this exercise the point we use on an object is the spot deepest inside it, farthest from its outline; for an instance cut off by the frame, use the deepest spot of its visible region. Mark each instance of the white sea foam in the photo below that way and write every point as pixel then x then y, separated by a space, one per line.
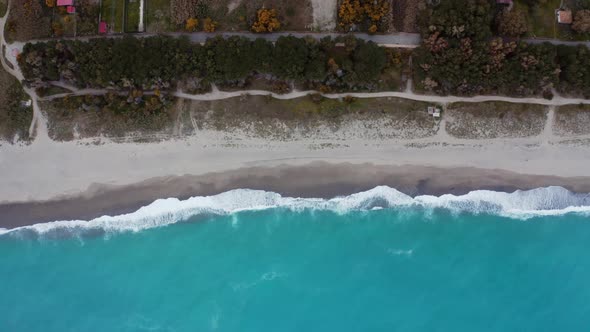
pixel 162 212
pixel 400 252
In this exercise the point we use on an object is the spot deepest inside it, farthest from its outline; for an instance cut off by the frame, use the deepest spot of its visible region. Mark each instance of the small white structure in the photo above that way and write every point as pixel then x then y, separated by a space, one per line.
pixel 434 111
pixel 26 103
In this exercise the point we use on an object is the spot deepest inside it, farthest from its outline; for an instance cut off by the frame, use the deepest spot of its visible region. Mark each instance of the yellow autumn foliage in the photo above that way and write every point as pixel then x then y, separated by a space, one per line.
pixel 209 25
pixel 357 11
pixel 376 10
pixel 373 29
pixel 191 24
pixel 266 21
pixel 350 12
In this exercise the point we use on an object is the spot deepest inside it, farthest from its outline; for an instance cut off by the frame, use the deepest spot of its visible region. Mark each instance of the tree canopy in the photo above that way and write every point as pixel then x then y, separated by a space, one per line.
pixel 160 62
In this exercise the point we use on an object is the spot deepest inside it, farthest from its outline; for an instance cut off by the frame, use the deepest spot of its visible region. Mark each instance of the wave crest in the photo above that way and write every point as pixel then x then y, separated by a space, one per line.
pixel 162 212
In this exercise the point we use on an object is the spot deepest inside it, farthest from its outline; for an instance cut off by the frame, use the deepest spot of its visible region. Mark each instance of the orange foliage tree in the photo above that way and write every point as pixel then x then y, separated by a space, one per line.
pixel 50 3
pixel 266 21
pixel 350 12
pixel 209 25
pixel 58 29
pixel 356 11
pixel 376 9
pixel 191 24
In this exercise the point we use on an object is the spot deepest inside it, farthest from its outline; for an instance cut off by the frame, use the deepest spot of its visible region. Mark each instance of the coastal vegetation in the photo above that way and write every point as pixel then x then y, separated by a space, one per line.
pixel 3 7
pixel 575 70
pixel 161 63
pixel 460 55
pixel 256 116
pixel 16 112
pixel 511 23
pixel 111 115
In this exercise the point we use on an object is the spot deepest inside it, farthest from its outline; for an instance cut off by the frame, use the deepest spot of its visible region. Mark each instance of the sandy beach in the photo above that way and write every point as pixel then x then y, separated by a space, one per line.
pixel 84 179
pixel 317 179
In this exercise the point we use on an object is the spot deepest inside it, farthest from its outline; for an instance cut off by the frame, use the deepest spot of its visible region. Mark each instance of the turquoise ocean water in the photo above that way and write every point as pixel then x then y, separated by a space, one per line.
pixel 254 261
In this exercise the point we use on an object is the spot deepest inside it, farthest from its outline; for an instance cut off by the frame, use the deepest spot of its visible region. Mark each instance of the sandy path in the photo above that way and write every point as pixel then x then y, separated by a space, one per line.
pixel 556 101
pixel 216 94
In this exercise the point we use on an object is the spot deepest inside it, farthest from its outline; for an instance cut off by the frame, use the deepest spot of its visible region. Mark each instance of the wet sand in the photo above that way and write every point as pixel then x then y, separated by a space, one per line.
pixel 317 179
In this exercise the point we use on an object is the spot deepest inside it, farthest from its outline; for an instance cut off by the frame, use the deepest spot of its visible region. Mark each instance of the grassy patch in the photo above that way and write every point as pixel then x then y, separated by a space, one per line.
pixel 87 12
pixel 3 7
pixel 15 118
pixel 157 15
pixel 542 22
pixel 113 13
pixel 132 21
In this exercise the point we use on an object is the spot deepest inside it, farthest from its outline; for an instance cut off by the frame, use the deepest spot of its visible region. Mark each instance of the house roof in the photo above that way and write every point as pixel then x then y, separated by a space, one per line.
pixel 65 2
pixel 102 27
pixel 71 9
pixel 564 16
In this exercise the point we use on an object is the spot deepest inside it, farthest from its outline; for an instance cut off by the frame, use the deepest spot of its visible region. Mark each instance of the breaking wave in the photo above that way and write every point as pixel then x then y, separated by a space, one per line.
pixel 548 201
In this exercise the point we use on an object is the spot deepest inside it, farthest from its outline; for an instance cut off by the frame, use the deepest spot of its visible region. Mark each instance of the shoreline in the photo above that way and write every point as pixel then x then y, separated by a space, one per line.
pixel 314 180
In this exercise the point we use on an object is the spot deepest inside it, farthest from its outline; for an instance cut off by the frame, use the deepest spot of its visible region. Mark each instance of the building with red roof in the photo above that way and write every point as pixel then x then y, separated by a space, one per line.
pixel 65 2
pixel 102 27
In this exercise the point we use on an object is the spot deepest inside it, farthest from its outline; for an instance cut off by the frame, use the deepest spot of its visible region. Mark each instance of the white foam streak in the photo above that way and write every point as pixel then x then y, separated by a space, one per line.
pixel 548 201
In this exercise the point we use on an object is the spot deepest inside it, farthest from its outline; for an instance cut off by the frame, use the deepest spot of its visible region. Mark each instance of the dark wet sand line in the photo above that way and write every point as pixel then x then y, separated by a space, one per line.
pixel 318 179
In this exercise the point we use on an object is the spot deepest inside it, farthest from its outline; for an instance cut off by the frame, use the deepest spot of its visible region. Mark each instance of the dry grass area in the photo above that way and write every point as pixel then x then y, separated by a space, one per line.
pixel 311 117
pixel 495 120
pixel 405 14
pixel 28 19
pixel 572 120
pixel 252 116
